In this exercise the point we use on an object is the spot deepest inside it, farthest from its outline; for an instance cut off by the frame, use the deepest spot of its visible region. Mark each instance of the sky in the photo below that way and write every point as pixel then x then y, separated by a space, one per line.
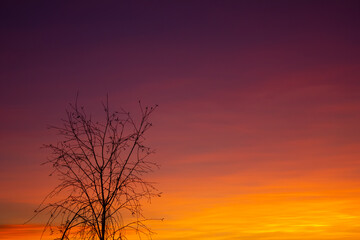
pixel 257 131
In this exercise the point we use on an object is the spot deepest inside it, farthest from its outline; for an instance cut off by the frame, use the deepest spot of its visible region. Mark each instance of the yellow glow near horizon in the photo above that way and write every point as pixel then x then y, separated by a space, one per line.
pixel 266 216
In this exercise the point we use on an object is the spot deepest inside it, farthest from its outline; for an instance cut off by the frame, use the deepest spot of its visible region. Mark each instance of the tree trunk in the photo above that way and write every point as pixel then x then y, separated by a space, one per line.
pixel 103 225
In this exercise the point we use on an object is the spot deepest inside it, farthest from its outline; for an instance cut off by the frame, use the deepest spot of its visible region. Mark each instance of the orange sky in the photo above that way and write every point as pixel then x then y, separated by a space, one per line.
pixel 257 131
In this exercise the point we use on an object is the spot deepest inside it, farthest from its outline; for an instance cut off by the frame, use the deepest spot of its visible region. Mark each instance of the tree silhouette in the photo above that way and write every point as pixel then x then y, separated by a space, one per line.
pixel 101 167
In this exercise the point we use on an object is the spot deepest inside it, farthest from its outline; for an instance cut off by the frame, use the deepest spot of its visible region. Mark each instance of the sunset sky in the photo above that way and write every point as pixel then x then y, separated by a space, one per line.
pixel 258 126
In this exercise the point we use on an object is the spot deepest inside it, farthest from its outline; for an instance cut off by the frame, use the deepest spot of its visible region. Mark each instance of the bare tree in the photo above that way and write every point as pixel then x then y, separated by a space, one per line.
pixel 101 167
